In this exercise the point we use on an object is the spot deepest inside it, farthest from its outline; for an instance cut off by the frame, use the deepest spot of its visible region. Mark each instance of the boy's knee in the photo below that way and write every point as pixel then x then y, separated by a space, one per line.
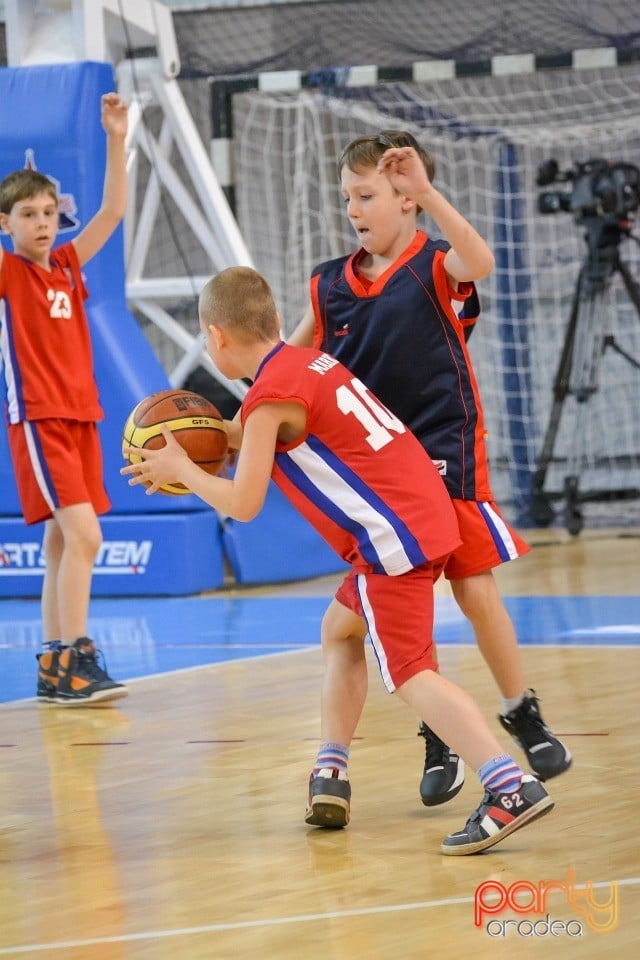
pixel 93 539
pixel 341 623
pixel 476 596
pixel 85 539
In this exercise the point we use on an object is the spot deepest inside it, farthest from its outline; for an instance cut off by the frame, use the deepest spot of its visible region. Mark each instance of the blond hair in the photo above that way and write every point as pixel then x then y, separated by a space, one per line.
pixel 240 299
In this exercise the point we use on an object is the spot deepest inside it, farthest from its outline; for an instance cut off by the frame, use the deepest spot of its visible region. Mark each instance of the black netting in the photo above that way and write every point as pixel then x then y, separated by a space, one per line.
pixel 312 36
pixel 489 136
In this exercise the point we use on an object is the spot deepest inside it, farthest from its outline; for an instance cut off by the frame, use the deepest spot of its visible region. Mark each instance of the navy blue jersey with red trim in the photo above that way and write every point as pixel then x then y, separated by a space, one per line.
pixel 402 337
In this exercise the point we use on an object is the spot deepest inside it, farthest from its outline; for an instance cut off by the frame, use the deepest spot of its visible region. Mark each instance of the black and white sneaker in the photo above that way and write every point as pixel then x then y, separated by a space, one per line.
pixel 443 775
pixel 329 802
pixel 499 815
pixel 547 756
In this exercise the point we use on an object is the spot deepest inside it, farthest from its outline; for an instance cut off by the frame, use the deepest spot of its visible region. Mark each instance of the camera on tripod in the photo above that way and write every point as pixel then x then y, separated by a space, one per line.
pixel 600 188
pixel 602 196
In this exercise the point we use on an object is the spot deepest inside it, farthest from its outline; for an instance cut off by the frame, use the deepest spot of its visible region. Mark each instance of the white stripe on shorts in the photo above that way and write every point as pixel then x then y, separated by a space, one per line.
pixel 36 465
pixel 381 657
pixel 503 531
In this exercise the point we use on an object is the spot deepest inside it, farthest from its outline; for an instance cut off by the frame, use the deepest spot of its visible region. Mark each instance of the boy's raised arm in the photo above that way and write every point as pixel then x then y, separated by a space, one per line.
pixel 114 195
pixel 469 258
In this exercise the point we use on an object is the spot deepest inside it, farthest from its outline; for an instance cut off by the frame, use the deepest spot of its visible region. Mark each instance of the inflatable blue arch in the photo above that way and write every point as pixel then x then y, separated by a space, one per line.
pixel 50 117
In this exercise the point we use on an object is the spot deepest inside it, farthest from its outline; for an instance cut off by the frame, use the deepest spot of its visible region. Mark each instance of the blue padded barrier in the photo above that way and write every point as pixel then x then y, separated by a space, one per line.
pixel 279 545
pixel 141 555
pixel 54 113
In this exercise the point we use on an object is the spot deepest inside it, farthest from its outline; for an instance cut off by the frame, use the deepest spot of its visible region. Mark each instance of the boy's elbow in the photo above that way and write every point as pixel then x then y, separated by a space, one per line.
pixel 245 498
pixel 245 512
pixel 118 212
pixel 245 516
pixel 487 266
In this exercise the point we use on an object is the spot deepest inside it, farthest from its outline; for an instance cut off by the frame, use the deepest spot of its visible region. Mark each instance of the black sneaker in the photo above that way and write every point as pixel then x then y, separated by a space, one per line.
pixel 498 815
pixel 329 801
pixel 47 675
pixel 547 756
pixel 443 775
pixel 81 679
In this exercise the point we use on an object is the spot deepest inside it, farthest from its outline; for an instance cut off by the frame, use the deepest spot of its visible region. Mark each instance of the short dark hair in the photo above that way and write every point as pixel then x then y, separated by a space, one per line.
pixel 23 184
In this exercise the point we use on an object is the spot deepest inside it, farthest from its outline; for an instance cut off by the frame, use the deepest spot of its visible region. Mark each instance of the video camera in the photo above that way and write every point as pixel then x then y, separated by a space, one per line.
pixel 600 188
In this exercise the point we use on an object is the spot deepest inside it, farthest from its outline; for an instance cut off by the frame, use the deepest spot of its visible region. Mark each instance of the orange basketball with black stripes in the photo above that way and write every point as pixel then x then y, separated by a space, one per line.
pixel 194 421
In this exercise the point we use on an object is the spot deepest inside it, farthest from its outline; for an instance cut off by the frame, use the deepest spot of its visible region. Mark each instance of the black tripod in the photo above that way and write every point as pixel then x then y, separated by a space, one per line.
pixel 577 373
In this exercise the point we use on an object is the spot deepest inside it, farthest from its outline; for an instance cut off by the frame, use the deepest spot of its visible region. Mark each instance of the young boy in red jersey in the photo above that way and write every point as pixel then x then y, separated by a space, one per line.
pixel 364 482
pixel 397 313
pixel 53 406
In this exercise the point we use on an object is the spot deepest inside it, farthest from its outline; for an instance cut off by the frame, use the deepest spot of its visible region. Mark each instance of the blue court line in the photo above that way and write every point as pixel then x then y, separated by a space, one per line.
pixel 145 636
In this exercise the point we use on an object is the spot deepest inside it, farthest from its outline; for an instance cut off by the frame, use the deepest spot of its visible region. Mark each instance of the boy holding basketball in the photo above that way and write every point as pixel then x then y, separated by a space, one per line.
pixel 364 482
pixel 53 406
pixel 397 313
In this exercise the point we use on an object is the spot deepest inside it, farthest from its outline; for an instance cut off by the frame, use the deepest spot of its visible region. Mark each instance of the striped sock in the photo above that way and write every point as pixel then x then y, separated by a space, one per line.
pixel 332 756
pixel 501 774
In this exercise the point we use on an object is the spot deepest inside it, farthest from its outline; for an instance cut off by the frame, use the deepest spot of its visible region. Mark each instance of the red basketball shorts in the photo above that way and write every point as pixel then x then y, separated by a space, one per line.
pixel 57 463
pixel 398 612
pixel 487 540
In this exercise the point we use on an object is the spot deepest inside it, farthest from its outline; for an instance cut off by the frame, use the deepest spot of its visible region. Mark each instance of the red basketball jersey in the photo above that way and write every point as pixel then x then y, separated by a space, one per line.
pixel 358 475
pixel 44 339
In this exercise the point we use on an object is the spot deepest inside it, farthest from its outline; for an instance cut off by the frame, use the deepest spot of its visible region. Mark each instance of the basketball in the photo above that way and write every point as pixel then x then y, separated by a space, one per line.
pixel 195 422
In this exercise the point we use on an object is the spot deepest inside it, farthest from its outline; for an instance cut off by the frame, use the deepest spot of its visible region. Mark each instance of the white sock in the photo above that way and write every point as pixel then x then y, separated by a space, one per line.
pixel 512 703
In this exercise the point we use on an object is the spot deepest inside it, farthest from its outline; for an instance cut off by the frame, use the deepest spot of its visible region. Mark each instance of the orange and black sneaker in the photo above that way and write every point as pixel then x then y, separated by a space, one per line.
pixel 48 674
pixel 81 679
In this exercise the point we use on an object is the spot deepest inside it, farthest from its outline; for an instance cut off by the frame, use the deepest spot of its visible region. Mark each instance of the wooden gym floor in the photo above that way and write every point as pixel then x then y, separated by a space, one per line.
pixel 171 825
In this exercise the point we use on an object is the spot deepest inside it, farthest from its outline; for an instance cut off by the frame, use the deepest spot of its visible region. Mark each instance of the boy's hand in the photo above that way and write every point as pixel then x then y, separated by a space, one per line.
pixel 158 466
pixel 233 430
pixel 114 115
pixel 405 171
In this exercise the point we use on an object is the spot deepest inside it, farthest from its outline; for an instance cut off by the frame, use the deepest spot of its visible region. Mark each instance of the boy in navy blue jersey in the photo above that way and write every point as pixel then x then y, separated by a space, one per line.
pixel 398 313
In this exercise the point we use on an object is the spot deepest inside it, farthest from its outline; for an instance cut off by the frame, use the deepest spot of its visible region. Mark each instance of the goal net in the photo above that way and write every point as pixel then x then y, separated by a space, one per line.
pixel 489 136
